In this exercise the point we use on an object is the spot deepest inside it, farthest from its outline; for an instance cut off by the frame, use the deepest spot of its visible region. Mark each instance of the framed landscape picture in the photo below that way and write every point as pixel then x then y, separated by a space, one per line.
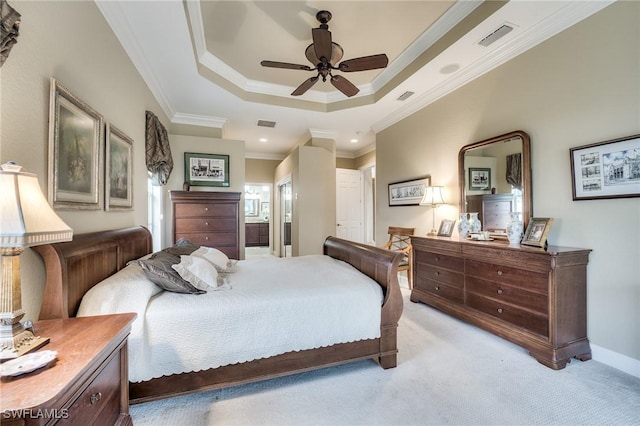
pixel 479 178
pixel 76 133
pixel 609 169
pixel 206 169
pixel 119 170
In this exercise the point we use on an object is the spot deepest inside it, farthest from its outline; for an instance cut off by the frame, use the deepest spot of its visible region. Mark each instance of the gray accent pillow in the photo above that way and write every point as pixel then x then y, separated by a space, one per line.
pixel 159 271
pixel 182 247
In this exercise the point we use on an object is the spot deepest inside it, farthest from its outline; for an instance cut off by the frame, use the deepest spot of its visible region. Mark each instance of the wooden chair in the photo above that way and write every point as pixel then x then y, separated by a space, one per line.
pixel 400 240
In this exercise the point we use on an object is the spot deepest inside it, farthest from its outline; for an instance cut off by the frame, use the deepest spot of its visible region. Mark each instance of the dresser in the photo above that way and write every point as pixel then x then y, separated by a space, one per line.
pixel 493 209
pixel 256 234
pixel 208 219
pixel 88 383
pixel 529 296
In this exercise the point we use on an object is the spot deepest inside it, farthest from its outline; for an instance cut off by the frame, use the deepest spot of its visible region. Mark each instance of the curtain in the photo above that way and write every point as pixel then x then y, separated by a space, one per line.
pixel 514 170
pixel 9 27
pixel 158 151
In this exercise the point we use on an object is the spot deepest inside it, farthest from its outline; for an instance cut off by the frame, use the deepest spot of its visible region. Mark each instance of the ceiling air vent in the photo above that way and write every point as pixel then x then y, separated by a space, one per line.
pixel 265 123
pixel 405 95
pixel 496 35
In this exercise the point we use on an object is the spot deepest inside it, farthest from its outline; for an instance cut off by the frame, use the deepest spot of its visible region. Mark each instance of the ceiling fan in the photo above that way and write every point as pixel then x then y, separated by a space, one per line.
pixel 324 54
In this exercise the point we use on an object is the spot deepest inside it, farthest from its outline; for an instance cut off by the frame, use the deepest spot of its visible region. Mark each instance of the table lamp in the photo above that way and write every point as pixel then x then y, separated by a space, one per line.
pixel 26 220
pixel 433 197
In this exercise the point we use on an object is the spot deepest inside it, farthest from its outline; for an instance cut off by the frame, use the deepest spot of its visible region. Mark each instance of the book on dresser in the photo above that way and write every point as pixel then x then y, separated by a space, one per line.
pixel 533 297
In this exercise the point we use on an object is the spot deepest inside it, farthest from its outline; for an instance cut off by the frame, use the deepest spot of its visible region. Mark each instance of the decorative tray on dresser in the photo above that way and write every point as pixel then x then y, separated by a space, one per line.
pixel 529 296
pixel 87 383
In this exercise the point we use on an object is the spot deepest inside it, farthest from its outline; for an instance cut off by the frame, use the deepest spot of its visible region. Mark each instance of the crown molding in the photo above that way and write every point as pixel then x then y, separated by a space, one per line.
pixel 570 14
pixel 199 120
pixel 264 156
pixel 122 28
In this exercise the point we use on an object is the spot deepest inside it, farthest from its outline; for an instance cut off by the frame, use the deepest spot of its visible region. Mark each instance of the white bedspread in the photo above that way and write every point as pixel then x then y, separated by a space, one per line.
pixel 275 306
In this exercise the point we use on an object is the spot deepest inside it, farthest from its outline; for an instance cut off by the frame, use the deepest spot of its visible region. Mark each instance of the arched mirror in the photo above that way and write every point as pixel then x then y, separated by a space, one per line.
pixel 495 179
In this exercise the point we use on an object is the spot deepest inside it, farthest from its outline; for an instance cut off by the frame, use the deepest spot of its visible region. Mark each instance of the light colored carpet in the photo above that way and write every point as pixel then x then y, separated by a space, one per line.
pixel 449 372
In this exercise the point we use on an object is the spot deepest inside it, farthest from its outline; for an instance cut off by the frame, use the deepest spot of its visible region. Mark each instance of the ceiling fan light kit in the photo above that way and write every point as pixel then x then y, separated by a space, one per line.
pixel 323 53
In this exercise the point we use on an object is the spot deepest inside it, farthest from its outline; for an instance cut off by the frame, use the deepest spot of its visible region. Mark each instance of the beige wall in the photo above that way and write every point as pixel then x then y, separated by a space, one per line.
pixel 346 163
pixel 71 42
pixel 364 160
pixel 580 87
pixel 234 149
pixel 260 171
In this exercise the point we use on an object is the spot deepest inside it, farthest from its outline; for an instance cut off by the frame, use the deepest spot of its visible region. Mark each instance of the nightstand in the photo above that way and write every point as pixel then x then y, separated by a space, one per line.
pixel 87 383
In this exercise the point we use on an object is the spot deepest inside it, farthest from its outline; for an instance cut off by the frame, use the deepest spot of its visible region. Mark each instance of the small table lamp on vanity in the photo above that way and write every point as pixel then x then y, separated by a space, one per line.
pixel 433 197
pixel 26 220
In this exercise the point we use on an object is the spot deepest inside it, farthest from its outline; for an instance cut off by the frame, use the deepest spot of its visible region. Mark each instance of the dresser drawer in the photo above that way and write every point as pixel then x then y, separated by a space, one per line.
pixel 531 321
pixel 205 224
pixel 205 210
pixel 217 240
pixel 454 294
pixel 99 403
pixel 496 206
pixel 506 293
pixel 440 260
pixel 532 281
pixel 446 276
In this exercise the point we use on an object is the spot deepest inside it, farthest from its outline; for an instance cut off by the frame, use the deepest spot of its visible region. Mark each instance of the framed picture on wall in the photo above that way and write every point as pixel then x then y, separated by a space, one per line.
pixel 609 169
pixel 118 170
pixel 479 178
pixel 408 192
pixel 76 133
pixel 206 169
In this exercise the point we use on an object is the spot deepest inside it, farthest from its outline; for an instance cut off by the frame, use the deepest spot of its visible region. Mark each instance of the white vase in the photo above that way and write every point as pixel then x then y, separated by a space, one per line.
pixel 515 228
pixel 464 226
pixel 474 223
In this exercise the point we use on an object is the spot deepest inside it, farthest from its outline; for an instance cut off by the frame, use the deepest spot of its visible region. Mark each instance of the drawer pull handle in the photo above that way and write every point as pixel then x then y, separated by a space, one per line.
pixel 206 223
pixel 206 209
pixel 499 310
pixel 95 397
pixel 206 238
pixel 500 291
pixel 499 272
pixel 437 288
pixel 437 273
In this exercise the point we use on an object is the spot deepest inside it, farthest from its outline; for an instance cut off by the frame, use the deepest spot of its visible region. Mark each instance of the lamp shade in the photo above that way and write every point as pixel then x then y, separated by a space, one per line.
pixel 26 218
pixel 432 196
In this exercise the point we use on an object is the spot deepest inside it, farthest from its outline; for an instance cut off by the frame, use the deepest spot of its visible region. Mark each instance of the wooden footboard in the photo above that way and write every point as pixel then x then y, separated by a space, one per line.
pixel 74 267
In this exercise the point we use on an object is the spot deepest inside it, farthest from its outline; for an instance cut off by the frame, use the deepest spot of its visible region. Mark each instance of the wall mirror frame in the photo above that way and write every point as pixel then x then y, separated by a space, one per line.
pixel 481 146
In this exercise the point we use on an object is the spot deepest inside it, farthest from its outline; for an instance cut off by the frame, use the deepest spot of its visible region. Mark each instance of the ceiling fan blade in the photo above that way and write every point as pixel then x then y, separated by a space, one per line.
pixel 344 85
pixel 306 85
pixel 322 43
pixel 364 63
pixel 286 65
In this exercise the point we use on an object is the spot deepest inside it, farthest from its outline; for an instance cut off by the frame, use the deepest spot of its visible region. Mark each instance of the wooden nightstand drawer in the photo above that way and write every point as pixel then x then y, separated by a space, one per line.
pixel 98 403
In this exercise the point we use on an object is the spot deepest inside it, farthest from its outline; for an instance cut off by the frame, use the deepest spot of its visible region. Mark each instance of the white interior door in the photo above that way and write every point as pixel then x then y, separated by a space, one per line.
pixel 349 211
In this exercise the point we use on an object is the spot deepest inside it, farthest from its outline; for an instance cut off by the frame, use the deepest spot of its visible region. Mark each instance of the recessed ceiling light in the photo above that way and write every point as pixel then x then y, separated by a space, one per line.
pixel 263 139
pixel 449 69
pixel 354 141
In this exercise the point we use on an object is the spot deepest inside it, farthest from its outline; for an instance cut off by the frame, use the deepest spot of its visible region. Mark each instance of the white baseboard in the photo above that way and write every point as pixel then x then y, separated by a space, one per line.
pixel 616 360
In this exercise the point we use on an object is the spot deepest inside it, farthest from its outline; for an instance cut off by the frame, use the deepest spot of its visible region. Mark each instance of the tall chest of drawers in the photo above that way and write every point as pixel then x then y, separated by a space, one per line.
pixel 208 219
pixel 529 296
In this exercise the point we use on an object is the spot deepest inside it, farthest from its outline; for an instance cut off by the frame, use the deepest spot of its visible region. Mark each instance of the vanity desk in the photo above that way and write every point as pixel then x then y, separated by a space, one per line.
pixel 529 296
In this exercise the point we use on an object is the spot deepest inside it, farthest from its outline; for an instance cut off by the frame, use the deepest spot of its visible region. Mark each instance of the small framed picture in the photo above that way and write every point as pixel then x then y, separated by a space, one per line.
pixel 446 228
pixel 206 169
pixel 118 170
pixel 537 231
pixel 479 179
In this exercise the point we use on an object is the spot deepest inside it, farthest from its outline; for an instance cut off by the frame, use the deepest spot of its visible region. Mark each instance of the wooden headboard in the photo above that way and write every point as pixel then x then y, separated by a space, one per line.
pixel 74 267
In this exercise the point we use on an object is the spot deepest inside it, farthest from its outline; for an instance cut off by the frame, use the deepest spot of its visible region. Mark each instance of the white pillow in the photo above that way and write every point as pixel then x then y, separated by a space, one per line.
pixel 198 272
pixel 216 257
